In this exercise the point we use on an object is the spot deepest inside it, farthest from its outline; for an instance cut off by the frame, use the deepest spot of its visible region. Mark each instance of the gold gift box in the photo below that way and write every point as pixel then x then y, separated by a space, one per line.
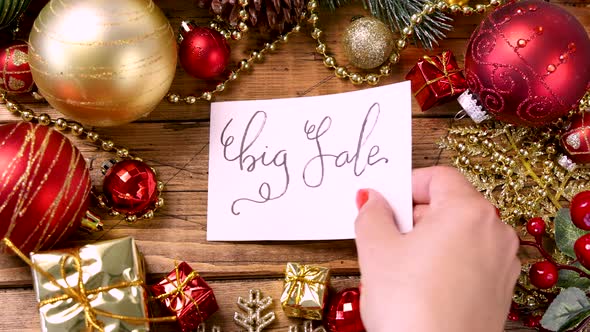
pixel 99 288
pixel 305 291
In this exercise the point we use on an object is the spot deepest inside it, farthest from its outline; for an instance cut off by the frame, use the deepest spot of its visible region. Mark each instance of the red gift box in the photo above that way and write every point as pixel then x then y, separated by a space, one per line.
pixel 186 295
pixel 437 80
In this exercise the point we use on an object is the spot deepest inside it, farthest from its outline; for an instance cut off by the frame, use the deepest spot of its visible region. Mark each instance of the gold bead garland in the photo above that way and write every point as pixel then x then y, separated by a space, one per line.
pixel 230 32
pixel 401 43
pixel 329 61
pixel 63 125
pixel 244 65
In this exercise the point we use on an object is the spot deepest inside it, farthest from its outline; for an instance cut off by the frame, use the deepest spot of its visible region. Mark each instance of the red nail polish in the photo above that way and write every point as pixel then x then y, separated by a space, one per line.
pixel 362 196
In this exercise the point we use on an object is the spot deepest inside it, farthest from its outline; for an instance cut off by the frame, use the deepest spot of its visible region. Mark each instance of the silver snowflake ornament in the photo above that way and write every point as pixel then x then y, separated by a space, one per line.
pixel 252 318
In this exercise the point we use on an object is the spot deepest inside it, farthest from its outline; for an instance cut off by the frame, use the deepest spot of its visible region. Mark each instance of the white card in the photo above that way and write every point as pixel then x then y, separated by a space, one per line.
pixel 289 169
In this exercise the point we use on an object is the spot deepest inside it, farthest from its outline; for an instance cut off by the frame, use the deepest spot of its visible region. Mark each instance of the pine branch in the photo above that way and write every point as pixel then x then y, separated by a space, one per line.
pixel 397 14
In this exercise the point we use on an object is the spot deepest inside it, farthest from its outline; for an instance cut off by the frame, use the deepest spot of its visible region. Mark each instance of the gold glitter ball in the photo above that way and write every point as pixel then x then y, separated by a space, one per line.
pixel 367 42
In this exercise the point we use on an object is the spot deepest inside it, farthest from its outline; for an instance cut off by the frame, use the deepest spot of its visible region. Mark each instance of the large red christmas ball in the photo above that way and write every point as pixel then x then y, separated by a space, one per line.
pixel 15 73
pixel 575 139
pixel 528 63
pixel 204 53
pixel 130 187
pixel 44 186
pixel 344 313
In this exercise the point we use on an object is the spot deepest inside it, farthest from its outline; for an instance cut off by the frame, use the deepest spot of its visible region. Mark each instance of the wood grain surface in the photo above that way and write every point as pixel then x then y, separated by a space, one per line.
pixel 174 140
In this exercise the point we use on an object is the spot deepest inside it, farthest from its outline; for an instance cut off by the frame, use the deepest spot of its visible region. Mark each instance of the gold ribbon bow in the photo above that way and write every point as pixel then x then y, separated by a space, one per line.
pixel 444 59
pixel 179 290
pixel 80 294
pixel 307 275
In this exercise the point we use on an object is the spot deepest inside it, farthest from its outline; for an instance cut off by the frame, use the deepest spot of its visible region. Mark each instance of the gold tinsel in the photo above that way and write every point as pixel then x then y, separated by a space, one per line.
pixel 517 168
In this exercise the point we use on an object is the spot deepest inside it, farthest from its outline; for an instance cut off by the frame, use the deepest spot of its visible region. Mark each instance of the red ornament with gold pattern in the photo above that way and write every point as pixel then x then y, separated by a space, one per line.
pixel 44 186
pixel 575 139
pixel 344 313
pixel 15 74
pixel 131 188
pixel 528 63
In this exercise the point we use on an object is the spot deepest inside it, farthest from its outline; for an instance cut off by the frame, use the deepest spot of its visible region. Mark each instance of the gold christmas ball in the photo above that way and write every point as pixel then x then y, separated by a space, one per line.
pixel 367 42
pixel 102 62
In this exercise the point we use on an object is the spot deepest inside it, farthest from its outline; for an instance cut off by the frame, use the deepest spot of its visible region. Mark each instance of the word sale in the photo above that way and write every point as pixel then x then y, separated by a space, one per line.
pixel 314 169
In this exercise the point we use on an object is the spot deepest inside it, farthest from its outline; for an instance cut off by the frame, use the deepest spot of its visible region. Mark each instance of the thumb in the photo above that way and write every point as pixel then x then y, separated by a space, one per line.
pixel 374 226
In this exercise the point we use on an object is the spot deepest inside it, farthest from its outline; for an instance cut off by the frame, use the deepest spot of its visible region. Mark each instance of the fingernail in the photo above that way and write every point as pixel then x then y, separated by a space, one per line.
pixel 362 196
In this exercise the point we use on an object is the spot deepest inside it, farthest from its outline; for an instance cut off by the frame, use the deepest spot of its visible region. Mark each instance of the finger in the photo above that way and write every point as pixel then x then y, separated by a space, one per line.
pixel 438 182
pixel 512 275
pixel 374 226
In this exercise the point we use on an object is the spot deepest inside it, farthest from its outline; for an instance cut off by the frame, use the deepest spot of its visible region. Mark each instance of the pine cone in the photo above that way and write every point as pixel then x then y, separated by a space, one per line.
pixel 273 15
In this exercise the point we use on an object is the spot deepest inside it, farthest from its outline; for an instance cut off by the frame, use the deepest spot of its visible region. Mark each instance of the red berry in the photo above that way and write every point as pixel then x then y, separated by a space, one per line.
pixel 532 321
pixel 543 274
pixel 536 226
pixel 582 250
pixel 580 210
pixel 513 316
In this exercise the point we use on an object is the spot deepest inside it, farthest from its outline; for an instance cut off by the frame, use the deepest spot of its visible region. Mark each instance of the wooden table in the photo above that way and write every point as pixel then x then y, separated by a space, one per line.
pixel 174 139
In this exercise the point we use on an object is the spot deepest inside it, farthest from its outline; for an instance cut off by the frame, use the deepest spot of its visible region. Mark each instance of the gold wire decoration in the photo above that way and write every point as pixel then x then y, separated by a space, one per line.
pixel 517 168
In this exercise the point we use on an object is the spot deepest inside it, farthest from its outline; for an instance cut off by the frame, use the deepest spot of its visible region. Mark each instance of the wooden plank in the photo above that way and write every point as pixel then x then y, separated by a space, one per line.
pixel 20 304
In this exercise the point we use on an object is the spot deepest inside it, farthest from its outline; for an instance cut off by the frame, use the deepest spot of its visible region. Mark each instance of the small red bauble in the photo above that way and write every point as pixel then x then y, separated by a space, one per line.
pixel 580 210
pixel 575 138
pixel 536 226
pixel 528 63
pixel 44 186
pixel 204 53
pixel 15 73
pixel 543 274
pixel 344 314
pixel 513 316
pixel 130 187
pixel 532 321
pixel 582 250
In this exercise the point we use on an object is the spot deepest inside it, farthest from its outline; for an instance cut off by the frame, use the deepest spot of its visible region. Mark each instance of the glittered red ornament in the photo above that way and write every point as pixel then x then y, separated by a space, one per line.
pixel 44 186
pixel 528 63
pixel 15 73
pixel 204 53
pixel 344 314
pixel 576 137
pixel 130 187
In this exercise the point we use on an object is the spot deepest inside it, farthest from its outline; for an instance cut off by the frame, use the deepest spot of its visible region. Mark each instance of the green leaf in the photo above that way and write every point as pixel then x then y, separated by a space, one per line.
pixel 569 278
pixel 566 233
pixel 567 310
pixel 581 318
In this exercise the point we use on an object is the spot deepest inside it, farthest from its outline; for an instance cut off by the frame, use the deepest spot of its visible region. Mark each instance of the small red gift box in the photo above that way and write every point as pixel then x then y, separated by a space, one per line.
pixel 437 80
pixel 186 295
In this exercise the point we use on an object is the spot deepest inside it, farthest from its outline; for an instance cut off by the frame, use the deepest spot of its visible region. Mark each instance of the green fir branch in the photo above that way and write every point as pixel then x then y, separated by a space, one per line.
pixel 397 14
